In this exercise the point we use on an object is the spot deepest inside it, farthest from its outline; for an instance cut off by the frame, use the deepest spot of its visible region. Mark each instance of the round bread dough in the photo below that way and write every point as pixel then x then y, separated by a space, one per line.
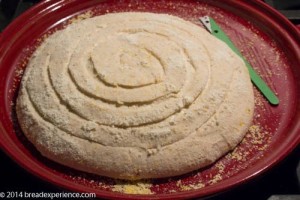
pixel 135 95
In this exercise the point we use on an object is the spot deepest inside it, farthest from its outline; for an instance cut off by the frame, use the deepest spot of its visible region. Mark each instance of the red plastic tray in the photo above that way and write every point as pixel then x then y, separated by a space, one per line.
pixel 268 40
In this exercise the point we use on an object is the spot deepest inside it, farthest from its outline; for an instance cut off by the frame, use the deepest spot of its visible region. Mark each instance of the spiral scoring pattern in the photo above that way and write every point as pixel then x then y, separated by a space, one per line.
pixel 135 95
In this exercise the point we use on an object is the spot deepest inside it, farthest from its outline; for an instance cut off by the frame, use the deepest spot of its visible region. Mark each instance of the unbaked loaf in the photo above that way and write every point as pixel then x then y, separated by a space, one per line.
pixel 135 95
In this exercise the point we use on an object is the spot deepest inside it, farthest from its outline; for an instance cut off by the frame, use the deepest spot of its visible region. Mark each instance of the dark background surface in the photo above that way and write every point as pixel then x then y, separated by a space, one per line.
pixel 282 182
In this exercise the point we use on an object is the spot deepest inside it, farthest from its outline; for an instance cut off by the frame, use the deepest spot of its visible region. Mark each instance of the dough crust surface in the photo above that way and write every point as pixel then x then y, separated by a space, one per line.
pixel 135 95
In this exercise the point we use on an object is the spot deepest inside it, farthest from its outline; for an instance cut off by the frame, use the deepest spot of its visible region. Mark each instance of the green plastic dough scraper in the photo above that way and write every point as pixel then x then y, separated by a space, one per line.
pixel 215 30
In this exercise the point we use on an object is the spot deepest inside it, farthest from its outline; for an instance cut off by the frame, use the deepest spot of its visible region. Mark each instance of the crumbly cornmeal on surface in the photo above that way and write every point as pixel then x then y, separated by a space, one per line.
pixel 136 187
pixel 135 96
pixel 187 187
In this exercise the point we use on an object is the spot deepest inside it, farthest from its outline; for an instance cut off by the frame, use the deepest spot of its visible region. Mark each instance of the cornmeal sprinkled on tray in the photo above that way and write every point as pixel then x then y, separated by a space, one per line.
pixel 184 187
pixel 81 17
pixel 133 187
pixel 215 179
